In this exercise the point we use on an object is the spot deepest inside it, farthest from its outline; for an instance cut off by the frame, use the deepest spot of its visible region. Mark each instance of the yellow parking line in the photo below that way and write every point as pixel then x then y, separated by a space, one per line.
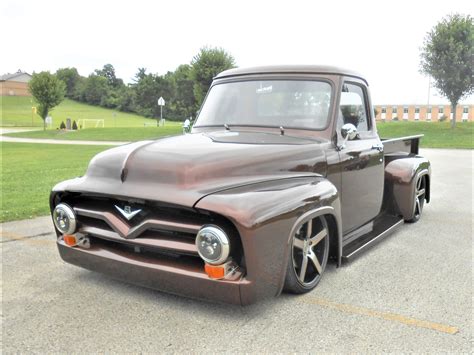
pixel 7 236
pixel 383 315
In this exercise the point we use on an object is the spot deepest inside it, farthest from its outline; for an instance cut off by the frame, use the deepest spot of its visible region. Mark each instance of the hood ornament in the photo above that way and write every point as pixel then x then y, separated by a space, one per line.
pixel 127 212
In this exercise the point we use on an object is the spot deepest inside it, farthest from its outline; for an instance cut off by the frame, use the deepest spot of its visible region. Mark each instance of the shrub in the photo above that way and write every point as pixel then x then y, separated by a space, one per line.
pixel 62 125
pixel 395 118
pixel 74 125
pixel 443 118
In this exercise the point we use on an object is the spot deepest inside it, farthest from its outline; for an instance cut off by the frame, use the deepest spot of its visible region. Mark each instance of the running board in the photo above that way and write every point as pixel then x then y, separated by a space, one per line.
pixel 383 226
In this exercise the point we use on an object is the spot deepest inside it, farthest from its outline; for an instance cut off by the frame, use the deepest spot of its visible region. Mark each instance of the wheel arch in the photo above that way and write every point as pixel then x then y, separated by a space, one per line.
pixel 428 188
pixel 401 174
pixel 335 239
pixel 333 220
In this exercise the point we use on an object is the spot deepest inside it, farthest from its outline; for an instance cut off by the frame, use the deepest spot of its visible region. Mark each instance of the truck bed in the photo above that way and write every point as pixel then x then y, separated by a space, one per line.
pixel 409 144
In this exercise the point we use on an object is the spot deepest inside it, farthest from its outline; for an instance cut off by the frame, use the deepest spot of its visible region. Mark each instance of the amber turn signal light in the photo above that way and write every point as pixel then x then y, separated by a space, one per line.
pixel 69 240
pixel 215 272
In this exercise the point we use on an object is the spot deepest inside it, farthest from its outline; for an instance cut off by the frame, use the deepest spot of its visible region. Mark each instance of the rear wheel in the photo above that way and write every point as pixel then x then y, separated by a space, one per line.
pixel 419 199
pixel 308 256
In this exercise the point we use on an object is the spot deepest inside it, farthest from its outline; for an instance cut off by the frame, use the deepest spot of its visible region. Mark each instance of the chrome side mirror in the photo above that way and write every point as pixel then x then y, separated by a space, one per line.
pixel 348 132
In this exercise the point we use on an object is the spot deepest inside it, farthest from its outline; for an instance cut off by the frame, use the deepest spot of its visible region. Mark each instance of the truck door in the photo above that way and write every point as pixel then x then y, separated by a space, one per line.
pixel 361 159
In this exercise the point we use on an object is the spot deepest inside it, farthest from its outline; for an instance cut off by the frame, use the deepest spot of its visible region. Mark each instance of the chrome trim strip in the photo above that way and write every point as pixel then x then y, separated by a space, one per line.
pixel 160 243
pixel 125 231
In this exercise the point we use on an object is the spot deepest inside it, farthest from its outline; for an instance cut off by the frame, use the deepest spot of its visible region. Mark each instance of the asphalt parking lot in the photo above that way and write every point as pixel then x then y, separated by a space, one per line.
pixel 410 293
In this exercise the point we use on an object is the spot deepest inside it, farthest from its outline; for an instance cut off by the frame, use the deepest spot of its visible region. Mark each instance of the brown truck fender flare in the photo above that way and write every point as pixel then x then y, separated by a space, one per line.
pixel 401 175
pixel 266 214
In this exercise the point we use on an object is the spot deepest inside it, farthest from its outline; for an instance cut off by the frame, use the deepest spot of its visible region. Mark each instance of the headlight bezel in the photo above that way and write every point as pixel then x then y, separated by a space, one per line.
pixel 65 211
pixel 223 239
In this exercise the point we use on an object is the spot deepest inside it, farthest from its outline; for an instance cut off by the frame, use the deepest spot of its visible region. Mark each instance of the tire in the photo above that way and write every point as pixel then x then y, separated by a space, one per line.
pixel 309 251
pixel 419 199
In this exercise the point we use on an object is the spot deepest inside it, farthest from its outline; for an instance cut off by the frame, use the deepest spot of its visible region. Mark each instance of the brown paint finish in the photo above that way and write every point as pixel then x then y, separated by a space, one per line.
pixel 256 183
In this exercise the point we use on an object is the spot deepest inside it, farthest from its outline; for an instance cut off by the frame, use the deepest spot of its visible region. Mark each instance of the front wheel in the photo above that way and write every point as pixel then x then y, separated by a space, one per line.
pixel 419 199
pixel 309 251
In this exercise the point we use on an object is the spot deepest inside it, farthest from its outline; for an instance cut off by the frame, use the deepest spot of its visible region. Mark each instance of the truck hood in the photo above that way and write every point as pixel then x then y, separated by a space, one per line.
pixel 183 169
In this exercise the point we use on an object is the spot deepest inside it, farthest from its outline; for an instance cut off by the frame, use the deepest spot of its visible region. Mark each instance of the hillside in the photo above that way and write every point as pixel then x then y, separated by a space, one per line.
pixel 16 111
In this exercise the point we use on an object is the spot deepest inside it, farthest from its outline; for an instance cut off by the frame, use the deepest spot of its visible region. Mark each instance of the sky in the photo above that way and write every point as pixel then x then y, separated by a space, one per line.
pixel 379 39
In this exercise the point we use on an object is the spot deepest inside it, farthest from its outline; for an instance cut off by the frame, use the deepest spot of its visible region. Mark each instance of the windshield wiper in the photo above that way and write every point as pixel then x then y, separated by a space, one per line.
pixel 226 126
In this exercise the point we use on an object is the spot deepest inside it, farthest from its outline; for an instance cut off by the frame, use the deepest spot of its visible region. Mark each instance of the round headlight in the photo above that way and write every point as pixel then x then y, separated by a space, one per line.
pixel 213 245
pixel 64 219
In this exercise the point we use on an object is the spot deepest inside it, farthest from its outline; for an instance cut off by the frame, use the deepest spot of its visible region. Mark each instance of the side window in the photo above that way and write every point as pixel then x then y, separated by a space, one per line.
pixel 353 108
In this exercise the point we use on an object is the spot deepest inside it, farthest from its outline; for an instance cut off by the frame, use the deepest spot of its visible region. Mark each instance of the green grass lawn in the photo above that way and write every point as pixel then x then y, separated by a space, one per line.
pixel 29 171
pixel 16 111
pixel 105 134
pixel 437 134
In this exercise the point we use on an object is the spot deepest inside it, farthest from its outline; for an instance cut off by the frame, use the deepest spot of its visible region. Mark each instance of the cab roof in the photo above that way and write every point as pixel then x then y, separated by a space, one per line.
pixel 290 69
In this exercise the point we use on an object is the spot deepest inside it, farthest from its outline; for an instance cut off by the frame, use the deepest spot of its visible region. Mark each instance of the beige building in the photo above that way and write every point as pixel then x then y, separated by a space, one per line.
pixel 15 84
pixel 464 112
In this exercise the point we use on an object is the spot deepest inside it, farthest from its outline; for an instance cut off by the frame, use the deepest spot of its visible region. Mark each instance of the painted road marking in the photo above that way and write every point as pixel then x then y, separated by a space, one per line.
pixel 9 237
pixel 382 315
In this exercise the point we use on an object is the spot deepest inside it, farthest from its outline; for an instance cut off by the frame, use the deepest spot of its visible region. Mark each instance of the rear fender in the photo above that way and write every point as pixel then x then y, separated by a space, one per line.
pixel 401 174
pixel 266 216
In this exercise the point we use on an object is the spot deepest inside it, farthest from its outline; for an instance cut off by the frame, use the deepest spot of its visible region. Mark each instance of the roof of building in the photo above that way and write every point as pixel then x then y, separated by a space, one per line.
pixel 288 69
pixel 8 76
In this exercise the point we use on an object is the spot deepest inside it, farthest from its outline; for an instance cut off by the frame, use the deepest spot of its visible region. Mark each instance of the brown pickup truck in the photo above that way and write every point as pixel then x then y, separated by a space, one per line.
pixel 283 171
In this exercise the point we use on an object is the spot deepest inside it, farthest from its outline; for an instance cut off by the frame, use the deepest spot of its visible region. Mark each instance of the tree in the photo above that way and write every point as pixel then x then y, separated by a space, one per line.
pixel 70 77
pixel 184 101
pixel 96 89
pixel 446 56
pixel 48 91
pixel 147 90
pixel 206 65
pixel 108 72
pixel 140 74
pixel 126 99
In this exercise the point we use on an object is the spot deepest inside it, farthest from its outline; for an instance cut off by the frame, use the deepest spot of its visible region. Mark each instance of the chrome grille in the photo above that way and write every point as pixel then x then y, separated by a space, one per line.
pixel 155 228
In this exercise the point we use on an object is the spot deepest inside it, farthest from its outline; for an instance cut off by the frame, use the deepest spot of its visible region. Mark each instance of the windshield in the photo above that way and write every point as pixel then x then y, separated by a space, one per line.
pixel 274 103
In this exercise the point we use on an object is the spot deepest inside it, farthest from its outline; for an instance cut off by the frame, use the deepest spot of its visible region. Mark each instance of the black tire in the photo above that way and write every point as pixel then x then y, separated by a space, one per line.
pixel 309 251
pixel 418 199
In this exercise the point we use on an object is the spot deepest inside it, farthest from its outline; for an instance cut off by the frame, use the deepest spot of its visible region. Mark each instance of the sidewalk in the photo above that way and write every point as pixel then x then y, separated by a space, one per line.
pixel 48 141
pixel 57 141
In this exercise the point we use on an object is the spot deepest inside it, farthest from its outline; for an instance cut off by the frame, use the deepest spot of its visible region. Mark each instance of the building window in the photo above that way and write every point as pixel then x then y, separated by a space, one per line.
pixel 417 110
pixel 405 110
pixel 429 109
pixel 465 109
pixel 441 109
pixel 394 110
pixel 384 110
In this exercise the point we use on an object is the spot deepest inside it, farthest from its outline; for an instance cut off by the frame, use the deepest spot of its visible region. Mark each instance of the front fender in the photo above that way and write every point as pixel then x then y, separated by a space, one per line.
pixel 265 215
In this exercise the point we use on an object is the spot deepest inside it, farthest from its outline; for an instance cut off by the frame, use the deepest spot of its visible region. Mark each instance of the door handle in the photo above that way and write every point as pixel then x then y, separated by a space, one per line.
pixel 379 147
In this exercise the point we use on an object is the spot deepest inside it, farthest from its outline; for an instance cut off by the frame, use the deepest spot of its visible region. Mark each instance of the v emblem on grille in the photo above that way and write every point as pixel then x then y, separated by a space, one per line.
pixel 127 212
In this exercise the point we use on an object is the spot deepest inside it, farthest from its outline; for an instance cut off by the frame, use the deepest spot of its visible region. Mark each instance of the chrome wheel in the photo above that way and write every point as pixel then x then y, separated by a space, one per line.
pixel 419 200
pixel 310 249
pixel 419 196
